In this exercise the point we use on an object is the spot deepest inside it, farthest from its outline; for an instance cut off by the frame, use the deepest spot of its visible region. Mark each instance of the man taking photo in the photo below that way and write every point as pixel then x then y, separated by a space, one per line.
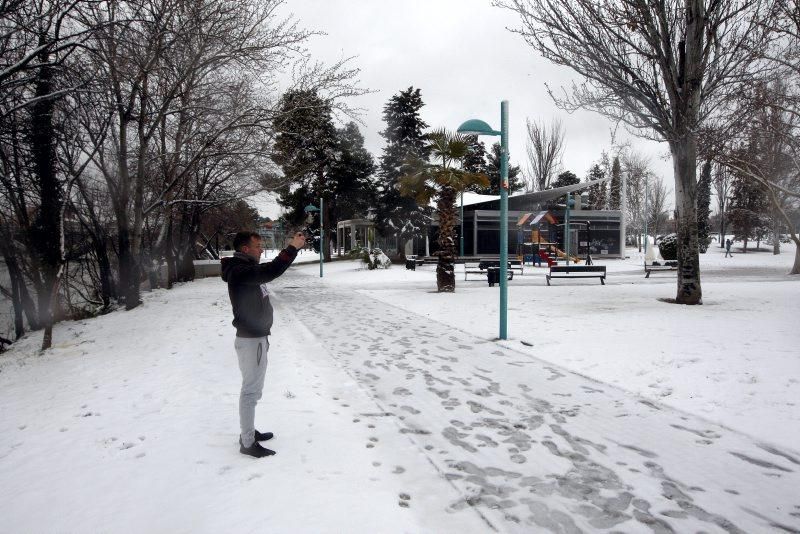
pixel 247 281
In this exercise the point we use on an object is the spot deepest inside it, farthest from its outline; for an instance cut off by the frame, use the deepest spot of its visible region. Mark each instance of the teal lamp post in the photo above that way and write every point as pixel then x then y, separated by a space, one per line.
pixel 478 127
pixel 311 208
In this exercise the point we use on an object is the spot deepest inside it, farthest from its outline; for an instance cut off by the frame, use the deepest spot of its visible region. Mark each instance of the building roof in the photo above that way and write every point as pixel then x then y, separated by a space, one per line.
pixel 527 201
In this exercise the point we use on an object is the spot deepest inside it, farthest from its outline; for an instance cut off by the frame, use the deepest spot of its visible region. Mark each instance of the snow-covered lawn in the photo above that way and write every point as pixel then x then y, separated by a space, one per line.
pixel 734 360
pixel 129 423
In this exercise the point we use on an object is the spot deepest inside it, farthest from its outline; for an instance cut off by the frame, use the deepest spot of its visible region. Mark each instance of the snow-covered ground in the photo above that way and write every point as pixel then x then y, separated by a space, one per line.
pixel 734 360
pixel 396 411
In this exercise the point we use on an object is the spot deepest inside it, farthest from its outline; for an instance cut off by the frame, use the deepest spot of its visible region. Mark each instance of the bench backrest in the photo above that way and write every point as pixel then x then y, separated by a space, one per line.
pixel 485 264
pixel 578 268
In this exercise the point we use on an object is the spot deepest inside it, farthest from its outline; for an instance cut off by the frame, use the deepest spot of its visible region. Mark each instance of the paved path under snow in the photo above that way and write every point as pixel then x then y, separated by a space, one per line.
pixel 533 447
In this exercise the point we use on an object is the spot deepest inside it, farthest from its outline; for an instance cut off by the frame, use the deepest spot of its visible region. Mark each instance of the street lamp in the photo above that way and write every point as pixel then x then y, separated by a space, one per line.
pixel 311 208
pixel 478 127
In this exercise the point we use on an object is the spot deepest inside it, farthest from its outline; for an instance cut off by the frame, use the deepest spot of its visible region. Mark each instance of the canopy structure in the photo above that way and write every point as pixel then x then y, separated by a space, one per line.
pixel 530 219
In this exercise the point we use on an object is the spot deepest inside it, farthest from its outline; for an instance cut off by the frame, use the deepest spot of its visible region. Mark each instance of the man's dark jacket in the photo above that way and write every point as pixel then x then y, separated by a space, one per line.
pixel 247 278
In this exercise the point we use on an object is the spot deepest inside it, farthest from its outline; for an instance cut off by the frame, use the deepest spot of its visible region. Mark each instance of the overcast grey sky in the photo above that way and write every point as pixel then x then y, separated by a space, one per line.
pixel 465 61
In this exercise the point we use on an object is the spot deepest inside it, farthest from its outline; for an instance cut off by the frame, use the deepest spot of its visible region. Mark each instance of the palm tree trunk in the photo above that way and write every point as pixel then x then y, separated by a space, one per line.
pixel 445 269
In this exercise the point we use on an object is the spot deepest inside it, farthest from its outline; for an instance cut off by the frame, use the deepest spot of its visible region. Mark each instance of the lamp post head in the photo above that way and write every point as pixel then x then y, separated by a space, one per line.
pixel 476 127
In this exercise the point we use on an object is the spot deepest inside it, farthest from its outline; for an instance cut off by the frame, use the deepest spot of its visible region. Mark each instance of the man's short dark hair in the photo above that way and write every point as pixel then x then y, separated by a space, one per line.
pixel 244 238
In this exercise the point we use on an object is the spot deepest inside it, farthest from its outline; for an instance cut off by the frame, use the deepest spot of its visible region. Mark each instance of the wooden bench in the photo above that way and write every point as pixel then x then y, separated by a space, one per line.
pixel 577 271
pixel 482 268
pixel 668 266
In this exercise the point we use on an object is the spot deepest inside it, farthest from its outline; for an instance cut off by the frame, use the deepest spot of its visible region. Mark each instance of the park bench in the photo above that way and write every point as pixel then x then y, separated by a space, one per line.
pixel 577 271
pixel 668 266
pixel 516 265
pixel 482 268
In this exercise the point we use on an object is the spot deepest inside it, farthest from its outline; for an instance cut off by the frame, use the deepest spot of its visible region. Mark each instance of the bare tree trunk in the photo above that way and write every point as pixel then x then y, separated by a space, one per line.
pixel 776 236
pixel 47 338
pixel 169 256
pixel 401 248
pixel 796 266
pixel 128 267
pixel 46 231
pixel 20 296
pixel 684 157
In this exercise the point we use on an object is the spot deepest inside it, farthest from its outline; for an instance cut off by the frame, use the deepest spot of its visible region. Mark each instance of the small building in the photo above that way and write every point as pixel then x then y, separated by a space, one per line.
pixel 599 232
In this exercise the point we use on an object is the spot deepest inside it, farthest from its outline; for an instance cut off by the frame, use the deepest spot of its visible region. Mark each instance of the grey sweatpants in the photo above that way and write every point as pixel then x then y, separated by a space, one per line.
pixel 252 354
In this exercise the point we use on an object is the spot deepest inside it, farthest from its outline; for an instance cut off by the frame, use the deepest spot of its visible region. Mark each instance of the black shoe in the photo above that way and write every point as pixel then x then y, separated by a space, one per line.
pixel 255 450
pixel 264 436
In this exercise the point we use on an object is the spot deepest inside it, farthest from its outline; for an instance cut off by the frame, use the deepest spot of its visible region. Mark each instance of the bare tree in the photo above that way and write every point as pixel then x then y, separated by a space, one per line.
pixel 545 148
pixel 165 65
pixel 722 181
pixel 657 209
pixel 38 73
pixel 762 143
pixel 658 67
pixel 636 169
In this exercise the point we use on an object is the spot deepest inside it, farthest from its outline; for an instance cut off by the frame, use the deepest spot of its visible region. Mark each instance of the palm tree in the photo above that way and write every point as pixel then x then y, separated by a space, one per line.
pixel 442 180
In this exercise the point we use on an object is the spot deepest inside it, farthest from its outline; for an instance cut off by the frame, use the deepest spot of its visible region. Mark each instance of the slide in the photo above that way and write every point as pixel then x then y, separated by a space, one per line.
pixel 546 257
pixel 560 253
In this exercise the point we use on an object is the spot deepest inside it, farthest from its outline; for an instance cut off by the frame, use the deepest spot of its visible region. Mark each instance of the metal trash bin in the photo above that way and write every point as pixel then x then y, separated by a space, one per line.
pixel 411 264
pixel 493 276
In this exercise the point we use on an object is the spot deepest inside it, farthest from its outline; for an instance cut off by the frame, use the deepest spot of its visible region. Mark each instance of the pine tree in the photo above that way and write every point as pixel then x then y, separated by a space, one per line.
pixel 564 179
pixel 475 160
pixel 305 148
pixel 704 206
pixel 597 193
pixel 398 215
pixel 616 185
pixel 351 175
pixel 493 172
pixel 746 209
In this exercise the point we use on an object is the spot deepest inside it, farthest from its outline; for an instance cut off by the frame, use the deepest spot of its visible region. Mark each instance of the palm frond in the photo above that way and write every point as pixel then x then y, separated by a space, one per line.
pixel 415 181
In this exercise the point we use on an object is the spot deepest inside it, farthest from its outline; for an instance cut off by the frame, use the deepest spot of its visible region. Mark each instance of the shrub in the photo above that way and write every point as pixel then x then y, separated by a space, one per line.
pixel 704 244
pixel 668 247
pixel 374 259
